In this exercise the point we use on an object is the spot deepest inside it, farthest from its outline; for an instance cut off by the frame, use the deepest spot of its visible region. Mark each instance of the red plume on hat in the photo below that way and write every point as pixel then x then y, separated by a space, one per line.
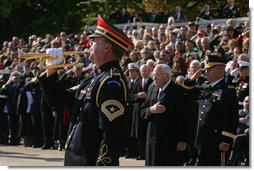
pixel 105 29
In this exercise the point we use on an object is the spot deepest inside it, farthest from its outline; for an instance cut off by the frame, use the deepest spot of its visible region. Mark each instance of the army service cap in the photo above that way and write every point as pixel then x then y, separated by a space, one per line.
pixel 105 29
pixel 213 60
pixel 243 64
pixel 133 66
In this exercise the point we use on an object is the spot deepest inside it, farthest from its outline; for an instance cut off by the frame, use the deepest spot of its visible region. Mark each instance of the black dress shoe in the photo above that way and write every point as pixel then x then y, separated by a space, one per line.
pixel 129 156
pixel 5 141
pixel 190 163
pixel 46 146
pixel 140 158
pixel 35 146
pixel 14 142
pixel 60 148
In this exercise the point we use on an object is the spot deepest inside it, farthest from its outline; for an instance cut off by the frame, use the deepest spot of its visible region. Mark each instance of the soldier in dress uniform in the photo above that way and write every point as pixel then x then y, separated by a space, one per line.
pixel 133 83
pixel 218 114
pixel 74 76
pixel 3 117
pixel 242 88
pixel 28 107
pixel 13 88
pixel 192 113
pixel 97 138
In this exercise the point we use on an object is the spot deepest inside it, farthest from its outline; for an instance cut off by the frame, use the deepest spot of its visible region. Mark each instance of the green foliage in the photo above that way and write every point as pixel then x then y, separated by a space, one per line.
pixel 7 6
pixel 25 17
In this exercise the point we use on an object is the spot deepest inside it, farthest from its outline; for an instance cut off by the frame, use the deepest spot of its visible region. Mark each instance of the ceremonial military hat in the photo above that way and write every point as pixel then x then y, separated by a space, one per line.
pixel 213 60
pixel 104 28
pixel 133 66
pixel 243 64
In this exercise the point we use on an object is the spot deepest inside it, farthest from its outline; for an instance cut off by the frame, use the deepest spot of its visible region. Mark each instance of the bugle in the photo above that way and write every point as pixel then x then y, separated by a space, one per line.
pixel 23 57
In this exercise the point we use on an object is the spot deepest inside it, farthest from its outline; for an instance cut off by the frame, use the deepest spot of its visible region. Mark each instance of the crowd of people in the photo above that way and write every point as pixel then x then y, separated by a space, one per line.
pixel 163 130
pixel 227 10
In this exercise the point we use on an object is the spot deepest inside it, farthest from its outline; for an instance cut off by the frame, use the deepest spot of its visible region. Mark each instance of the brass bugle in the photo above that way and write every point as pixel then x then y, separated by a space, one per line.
pixel 23 57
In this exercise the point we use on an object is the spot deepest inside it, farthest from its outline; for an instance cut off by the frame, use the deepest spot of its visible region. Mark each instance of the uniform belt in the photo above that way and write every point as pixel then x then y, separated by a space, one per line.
pixel 240 103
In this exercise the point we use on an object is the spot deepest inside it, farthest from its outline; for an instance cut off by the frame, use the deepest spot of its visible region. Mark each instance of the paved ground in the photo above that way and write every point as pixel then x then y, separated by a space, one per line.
pixel 27 156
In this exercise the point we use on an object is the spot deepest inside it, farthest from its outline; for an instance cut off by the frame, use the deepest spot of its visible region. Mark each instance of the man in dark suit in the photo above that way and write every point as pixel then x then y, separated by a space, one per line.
pixel 229 10
pixel 218 114
pixel 205 13
pixel 139 125
pixel 154 17
pixel 164 109
pixel 178 15
pixel 97 138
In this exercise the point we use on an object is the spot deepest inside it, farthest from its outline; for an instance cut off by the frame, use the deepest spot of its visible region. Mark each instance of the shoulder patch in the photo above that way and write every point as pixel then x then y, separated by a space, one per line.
pixel 112 109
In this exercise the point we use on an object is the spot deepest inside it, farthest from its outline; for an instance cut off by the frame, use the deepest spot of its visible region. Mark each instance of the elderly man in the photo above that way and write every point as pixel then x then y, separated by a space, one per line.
pixel 97 138
pixel 218 113
pixel 164 110
pixel 192 114
pixel 242 88
pixel 139 125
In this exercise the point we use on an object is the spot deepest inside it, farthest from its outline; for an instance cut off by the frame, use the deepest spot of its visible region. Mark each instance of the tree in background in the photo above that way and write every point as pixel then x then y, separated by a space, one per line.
pixel 25 17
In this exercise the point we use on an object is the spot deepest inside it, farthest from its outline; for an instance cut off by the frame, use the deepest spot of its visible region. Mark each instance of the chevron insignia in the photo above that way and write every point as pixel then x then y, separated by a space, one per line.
pixel 112 109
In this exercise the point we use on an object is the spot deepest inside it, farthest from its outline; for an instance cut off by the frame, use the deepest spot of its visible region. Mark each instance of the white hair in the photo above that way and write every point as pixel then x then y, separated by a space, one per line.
pixel 207 39
pixel 144 66
pixel 195 63
pixel 164 68
pixel 150 62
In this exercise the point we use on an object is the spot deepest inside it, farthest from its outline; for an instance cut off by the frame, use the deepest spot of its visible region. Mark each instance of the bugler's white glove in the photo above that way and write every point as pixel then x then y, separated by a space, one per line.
pixel 57 56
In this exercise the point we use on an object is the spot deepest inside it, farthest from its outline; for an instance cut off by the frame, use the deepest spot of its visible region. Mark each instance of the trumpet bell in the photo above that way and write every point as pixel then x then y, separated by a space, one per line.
pixel 23 57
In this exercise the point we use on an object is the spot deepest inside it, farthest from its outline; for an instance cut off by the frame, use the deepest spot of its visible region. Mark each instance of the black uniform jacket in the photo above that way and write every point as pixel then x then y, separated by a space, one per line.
pixel 98 136
pixel 218 114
